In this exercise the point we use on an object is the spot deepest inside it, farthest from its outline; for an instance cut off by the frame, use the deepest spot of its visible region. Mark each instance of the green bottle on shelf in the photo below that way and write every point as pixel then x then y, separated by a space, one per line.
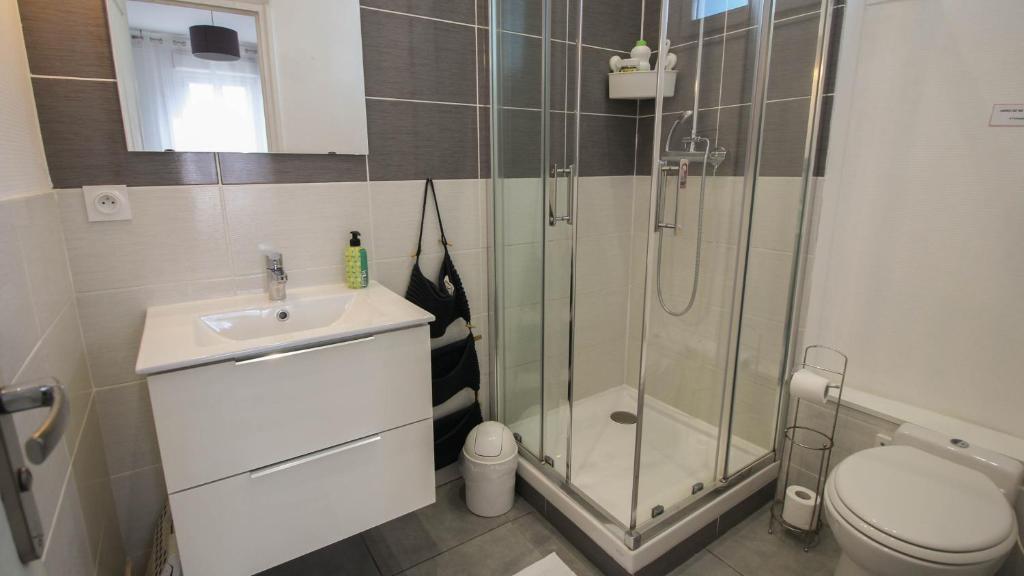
pixel 357 271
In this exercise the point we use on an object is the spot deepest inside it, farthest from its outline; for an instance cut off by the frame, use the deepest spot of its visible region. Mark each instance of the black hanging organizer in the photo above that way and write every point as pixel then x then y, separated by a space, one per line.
pixel 453 366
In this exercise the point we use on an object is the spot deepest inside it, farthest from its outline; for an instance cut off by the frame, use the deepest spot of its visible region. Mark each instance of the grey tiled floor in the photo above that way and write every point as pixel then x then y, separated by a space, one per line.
pixel 445 538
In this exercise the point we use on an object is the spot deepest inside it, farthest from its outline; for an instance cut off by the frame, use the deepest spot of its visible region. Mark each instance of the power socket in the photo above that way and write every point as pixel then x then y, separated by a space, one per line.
pixel 107 203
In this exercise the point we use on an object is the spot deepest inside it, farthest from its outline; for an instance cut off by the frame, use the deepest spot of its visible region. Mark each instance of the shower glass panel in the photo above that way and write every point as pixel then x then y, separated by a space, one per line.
pixel 520 123
pixel 784 173
pixel 700 171
pixel 533 191
pixel 559 223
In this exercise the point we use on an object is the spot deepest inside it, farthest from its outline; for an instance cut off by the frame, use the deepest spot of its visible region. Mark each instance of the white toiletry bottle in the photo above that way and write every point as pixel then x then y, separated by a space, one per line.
pixel 642 54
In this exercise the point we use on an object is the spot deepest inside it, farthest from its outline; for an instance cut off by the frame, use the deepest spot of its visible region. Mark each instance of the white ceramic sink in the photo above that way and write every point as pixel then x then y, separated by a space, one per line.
pixel 247 326
pixel 279 318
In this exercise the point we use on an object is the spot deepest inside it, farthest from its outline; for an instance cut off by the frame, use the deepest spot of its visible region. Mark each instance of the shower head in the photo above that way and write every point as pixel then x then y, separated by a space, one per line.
pixel 683 117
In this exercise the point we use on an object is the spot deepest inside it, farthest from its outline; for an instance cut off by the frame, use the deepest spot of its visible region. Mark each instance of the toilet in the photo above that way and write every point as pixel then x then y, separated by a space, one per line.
pixel 924 505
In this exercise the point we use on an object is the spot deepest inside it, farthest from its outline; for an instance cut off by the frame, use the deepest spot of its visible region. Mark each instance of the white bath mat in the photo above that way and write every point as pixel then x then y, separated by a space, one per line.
pixel 550 565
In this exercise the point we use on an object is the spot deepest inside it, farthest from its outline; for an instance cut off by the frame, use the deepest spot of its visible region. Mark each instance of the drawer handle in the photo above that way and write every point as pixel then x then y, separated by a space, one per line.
pixel 267 470
pixel 302 351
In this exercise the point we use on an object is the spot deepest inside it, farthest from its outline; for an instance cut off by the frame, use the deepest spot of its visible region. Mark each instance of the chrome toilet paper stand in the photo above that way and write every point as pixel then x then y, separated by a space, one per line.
pixel 810 442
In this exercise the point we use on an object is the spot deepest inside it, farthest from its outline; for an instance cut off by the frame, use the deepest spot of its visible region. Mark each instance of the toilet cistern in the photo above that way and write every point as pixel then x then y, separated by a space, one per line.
pixel 276 278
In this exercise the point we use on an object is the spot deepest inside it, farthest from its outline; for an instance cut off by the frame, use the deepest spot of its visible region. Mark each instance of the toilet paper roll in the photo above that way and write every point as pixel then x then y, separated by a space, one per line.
pixel 807 385
pixel 798 508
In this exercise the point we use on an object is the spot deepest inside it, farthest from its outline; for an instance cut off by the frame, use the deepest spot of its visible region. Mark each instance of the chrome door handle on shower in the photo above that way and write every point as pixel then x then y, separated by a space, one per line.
pixel 556 173
pixel 665 170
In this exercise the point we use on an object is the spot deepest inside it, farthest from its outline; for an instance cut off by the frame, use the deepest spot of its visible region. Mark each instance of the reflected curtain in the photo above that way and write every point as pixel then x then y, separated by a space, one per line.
pixel 197 105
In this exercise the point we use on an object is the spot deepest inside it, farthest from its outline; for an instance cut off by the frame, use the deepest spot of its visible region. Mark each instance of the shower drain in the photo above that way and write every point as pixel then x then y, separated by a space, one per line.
pixel 623 417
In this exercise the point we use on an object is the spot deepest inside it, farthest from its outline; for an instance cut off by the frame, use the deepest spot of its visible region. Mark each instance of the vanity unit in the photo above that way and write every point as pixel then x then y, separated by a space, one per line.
pixel 287 426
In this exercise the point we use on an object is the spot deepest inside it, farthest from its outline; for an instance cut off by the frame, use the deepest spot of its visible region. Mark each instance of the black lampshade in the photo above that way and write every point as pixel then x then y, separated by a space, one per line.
pixel 215 43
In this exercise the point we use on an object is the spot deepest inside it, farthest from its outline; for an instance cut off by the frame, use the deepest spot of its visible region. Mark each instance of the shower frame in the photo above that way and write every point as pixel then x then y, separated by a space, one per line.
pixel 634 535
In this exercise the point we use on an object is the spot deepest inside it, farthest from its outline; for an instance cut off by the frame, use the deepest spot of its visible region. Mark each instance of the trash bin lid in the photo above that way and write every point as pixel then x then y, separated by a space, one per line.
pixel 491 440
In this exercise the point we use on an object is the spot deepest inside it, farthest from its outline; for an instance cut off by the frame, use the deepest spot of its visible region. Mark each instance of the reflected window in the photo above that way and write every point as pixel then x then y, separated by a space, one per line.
pixel 186 103
pixel 706 8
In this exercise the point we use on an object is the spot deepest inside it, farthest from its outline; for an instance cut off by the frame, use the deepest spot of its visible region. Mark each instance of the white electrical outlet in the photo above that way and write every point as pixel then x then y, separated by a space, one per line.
pixel 106 203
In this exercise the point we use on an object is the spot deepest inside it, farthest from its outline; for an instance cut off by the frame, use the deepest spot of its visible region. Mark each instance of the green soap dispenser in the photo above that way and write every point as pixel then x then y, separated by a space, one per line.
pixel 357 271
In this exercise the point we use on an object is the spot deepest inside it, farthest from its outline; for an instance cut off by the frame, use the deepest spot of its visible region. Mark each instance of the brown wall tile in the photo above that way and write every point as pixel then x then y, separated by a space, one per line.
pixel 84 141
pixel 733 134
pixel 67 38
pixel 607 145
pixel 414 140
pixel 239 168
pixel 792 63
pixel 785 132
pixel 418 58
pixel 454 10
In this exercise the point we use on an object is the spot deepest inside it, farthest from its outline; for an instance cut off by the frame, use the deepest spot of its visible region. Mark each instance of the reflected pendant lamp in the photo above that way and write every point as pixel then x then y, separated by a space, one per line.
pixel 215 43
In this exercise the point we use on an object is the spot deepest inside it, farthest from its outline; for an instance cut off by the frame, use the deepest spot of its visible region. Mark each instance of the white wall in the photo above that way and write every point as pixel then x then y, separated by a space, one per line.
pixel 918 270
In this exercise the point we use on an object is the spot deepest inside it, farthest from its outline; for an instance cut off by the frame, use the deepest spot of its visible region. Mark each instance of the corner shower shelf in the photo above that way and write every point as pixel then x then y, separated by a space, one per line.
pixel 639 85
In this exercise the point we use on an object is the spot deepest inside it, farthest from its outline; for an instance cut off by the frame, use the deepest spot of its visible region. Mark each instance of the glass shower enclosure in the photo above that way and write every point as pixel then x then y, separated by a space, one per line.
pixel 644 250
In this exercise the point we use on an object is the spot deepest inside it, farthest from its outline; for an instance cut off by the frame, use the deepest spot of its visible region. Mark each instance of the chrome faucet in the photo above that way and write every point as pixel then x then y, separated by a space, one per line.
pixel 276 277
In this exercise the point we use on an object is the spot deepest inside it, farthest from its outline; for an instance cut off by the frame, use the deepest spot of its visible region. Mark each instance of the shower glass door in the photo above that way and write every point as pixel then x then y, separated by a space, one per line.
pixel 519 122
pixel 695 217
pixel 533 189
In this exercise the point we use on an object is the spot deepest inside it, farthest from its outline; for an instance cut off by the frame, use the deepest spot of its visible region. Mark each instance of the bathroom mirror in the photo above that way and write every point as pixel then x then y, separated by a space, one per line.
pixel 240 75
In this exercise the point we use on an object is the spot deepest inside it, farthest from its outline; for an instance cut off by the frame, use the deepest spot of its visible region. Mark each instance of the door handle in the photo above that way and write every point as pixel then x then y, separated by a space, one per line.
pixel 665 169
pixel 47 392
pixel 15 476
pixel 556 173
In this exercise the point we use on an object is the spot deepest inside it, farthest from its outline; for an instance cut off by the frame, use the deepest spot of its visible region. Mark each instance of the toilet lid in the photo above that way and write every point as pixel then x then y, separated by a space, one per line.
pixel 924 500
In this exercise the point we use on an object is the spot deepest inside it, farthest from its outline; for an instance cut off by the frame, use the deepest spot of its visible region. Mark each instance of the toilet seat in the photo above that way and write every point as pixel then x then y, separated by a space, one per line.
pixel 922 506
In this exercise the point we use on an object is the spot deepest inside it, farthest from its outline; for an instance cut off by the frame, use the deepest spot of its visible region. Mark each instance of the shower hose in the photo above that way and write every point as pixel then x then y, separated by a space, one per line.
pixel 697 251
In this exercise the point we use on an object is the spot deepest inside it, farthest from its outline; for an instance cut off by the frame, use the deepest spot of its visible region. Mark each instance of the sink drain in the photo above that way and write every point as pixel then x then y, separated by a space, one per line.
pixel 283 315
pixel 623 417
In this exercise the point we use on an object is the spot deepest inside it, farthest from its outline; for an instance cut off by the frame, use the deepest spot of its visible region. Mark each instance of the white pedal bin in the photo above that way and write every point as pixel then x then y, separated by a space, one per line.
pixel 488 462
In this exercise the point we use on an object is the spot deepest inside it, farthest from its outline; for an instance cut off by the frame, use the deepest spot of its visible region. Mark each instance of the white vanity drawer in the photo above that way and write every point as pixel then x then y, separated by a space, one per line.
pixel 219 420
pixel 250 522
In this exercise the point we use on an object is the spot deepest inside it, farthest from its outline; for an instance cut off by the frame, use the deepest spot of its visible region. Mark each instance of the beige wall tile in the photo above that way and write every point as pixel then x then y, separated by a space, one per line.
pixel 93 481
pixel 42 243
pixel 112 323
pixel 522 201
pixel 176 234
pixel 308 223
pixel 396 210
pixel 776 220
pixel 602 263
pixel 129 434
pixel 524 275
pixel 605 205
pixel 767 286
pixel 68 552
pixel 66 361
pixel 139 497
pixel 21 331
pixel 112 557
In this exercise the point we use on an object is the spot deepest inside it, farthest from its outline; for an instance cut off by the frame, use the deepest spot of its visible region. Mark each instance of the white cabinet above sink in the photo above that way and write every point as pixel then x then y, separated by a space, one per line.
pixel 287 426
